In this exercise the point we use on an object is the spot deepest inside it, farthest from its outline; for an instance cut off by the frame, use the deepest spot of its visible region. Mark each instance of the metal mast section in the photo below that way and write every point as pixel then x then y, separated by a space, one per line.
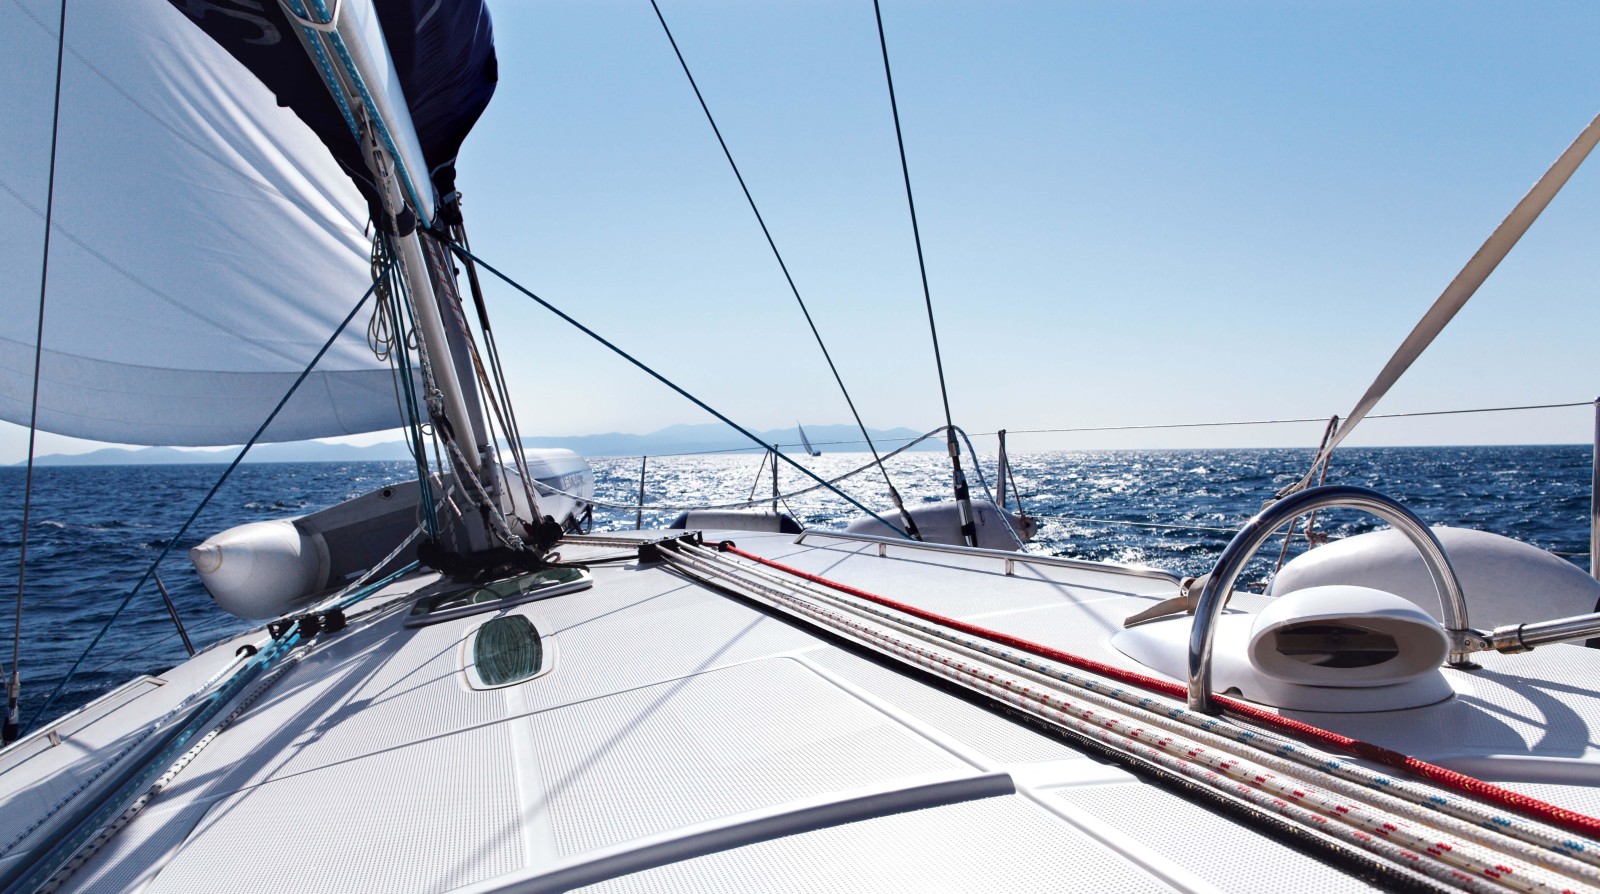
pixel 350 55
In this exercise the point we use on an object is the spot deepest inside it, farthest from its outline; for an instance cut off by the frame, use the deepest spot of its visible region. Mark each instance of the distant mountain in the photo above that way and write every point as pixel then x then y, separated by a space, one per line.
pixel 713 438
pixel 709 438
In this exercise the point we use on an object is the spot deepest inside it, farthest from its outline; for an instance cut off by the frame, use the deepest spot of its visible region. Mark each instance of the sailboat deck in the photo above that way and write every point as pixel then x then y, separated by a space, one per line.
pixel 685 739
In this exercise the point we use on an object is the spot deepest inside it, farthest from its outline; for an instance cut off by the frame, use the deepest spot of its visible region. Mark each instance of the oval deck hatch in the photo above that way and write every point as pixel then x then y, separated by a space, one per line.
pixel 506 650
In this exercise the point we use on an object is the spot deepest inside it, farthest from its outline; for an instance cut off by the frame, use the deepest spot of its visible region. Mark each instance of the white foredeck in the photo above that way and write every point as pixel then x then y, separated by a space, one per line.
pixel 688 740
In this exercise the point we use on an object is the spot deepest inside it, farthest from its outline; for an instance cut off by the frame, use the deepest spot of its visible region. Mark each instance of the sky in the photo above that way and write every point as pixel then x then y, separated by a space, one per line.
pixel 1132 214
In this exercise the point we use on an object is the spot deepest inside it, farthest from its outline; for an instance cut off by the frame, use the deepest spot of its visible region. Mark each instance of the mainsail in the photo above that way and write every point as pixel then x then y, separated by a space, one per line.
pixel 205 241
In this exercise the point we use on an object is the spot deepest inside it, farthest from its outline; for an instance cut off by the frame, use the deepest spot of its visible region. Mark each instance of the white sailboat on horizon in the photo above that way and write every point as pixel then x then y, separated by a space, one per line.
pixel 805 442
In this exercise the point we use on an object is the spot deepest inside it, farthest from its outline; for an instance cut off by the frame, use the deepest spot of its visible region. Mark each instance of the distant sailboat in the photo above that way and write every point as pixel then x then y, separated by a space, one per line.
pixel 806 442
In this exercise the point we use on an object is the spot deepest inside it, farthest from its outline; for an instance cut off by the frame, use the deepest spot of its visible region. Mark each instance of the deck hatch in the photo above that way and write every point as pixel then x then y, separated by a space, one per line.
pixel 462 601
pixel 506 650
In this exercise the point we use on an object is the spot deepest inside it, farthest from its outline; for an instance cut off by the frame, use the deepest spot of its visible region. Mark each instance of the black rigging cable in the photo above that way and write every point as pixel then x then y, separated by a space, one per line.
pixel 167 548
pixel 777 455
pixel 894 495
pixel 969 530
pixel 10 728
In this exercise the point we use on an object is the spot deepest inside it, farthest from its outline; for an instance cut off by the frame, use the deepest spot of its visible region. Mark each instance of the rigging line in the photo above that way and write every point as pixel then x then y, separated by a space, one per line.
pixel 1138 524
pixel 400 368
pixel 165 550
pixel 969 530
pixel 495 415
pixel 916 232
pixel 492 347
pixel 1005 517
pixel 1054 431
pixel 462 252
pixel 1327 433
pixel 759 469
pixel 9 727
pixel 911 526
pixel 745 504
pixel 1465 284
pixel 395 290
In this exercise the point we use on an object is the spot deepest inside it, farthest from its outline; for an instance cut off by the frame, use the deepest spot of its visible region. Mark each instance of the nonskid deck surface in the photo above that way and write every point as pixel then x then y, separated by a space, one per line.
pixel 688 740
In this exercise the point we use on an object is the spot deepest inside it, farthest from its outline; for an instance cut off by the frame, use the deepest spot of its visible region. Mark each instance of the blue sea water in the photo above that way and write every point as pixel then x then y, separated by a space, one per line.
pixel 94 530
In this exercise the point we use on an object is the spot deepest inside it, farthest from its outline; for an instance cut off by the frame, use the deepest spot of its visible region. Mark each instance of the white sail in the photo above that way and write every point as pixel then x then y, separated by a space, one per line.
pixel 205 244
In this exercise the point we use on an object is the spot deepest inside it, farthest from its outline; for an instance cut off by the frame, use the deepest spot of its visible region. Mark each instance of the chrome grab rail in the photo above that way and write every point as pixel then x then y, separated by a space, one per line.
pixel 1010 557
pixel 1256 531
pixel 1594 498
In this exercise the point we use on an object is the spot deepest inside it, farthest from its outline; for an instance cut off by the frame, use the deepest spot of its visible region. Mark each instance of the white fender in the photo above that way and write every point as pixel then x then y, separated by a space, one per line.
pixel 272 568
pixel 1504 581
pixel 262 569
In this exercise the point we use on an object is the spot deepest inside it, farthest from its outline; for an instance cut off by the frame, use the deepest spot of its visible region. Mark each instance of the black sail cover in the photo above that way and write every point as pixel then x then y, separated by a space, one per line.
pixel 443 51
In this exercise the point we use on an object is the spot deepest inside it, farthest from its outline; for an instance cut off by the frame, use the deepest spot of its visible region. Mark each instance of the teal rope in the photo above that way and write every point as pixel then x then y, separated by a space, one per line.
pixel 29 875
pixel 196 514
pixel 463 253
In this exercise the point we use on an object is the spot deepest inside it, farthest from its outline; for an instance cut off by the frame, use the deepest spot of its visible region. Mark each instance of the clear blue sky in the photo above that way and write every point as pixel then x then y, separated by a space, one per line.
pixel 1132 212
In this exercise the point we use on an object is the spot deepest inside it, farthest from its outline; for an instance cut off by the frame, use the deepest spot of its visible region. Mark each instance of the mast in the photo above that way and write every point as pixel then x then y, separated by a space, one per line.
pixel 351 34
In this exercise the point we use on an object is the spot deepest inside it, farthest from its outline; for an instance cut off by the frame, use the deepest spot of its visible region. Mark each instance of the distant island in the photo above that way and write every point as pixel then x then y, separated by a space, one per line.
pixel 675 439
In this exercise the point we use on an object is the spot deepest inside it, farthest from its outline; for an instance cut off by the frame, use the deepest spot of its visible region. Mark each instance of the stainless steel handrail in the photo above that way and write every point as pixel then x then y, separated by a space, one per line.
pixel 1009 557
pixel 1513 638
pixel 1256 531
pixel 1594 498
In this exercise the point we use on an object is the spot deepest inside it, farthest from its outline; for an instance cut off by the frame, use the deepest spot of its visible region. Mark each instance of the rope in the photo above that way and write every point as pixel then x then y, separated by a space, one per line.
pixel 969 530
pixel 1262 766
pixel 496 518
pixel 1058 431
pixel 1118 521
pixel 450 298
pixel 167 548
pixel 10 728
pixel 464 253
pixel 218 698
pixel 390 340
pixel 1099 428
pixel 1005 517
pixel 492 348
pixel 911 526
pixel 1558 816
pixel 1311 520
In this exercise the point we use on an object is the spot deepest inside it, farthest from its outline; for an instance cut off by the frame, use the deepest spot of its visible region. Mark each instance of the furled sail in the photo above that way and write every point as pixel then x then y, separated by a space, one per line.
pixel 205 242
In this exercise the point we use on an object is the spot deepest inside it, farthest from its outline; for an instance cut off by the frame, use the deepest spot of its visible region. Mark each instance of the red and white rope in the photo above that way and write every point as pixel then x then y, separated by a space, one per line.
pixel 1458 856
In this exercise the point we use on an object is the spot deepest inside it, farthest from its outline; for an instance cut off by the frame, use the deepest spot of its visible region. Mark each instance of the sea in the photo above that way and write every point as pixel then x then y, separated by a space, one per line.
pixel 95 530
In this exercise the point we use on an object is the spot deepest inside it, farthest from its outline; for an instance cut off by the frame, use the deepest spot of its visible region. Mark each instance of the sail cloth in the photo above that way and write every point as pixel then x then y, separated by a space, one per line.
pixel 204 246
pixel 442 64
